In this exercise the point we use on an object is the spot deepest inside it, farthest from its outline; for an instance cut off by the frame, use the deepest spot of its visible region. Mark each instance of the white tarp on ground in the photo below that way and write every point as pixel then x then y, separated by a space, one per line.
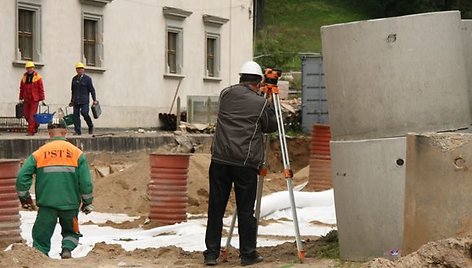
pixel 190 236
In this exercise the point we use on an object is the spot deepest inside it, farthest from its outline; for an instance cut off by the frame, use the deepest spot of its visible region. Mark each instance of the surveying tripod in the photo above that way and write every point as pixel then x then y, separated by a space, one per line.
pixel 271 89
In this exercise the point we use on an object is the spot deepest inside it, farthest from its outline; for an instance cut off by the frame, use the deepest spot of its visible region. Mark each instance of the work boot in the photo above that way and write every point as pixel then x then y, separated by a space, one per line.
pixel 252 260
pixel 209 261
pixel 66 254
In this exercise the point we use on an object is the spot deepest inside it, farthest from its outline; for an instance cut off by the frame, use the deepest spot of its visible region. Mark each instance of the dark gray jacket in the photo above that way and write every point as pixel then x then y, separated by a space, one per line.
pixel 243 117
pixel 81 88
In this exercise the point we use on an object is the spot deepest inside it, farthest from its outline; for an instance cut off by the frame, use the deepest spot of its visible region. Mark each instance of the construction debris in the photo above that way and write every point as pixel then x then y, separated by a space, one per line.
pixel 197 128
pixel 291 112
pixel 103 171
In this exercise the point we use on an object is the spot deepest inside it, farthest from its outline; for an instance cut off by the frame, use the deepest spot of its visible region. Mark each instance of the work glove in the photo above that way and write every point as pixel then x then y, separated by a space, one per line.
pixel 27 203
pixel 86 208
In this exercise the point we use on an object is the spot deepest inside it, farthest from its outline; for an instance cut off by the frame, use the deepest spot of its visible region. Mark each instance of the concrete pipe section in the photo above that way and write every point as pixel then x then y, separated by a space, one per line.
pixel 438 187
pixel 369 190
pixel 388 77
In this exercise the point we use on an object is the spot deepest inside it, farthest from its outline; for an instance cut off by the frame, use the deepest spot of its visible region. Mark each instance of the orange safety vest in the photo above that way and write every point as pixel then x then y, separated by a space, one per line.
pixel 57 153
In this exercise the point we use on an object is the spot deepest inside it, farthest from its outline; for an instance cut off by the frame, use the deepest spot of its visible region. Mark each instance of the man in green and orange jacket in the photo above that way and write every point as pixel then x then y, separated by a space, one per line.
pixel 63 183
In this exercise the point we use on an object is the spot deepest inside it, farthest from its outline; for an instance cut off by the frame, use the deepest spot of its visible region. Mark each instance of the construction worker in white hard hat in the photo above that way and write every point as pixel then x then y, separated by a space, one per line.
pixel 237 154
pixel 31 93
pixel 82 88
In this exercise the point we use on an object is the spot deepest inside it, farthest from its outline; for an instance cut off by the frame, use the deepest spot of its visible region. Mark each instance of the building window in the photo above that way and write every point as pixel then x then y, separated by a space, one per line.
pixel 174 51
pixel 212 55
pixel 25 33
pixel 175 18
pixel 28 32
pixel 213 26
pixel 90 41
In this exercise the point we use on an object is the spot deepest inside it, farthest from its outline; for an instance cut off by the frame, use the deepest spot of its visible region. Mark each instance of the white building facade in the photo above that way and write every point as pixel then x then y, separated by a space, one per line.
pixel 136 51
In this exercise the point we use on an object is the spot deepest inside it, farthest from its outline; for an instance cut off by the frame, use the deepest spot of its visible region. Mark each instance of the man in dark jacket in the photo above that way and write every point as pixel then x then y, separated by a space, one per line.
pixel 237 154
pixel 82 88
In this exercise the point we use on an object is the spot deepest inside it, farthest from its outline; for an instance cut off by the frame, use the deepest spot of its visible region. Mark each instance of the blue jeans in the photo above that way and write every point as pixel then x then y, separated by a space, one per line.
pixel 81 109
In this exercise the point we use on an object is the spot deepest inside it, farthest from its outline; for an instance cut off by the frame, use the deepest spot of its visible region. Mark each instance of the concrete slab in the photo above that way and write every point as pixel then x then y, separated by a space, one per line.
pixel 17 145
pixel 103 171
pixel 388 77
pixel 466 30
pixel 368 179
pixel 438 187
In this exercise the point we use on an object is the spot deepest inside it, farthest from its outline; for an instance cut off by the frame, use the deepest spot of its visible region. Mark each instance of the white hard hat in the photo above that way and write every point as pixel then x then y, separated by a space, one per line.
pixel 251 67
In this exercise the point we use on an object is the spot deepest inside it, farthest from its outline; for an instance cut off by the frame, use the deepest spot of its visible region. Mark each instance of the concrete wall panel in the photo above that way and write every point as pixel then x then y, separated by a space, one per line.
pixel 388 77
pixel 438 187
pixel 467 46
pixel 15 147
pixel 368 179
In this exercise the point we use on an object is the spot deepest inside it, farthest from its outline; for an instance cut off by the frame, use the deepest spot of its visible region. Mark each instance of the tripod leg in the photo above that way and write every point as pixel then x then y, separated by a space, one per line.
pixel 260 181
pixel 224 250
pixel 288 173
pixel 301 252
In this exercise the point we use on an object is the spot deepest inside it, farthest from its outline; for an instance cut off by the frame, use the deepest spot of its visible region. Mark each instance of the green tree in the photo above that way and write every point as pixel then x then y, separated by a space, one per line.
pixel 272 51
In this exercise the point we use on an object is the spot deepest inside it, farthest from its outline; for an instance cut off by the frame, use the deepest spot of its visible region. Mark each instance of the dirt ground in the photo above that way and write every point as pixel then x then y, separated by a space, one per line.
pixel 451 253
pixel 127 175
pixel 130 175
pixel 112 255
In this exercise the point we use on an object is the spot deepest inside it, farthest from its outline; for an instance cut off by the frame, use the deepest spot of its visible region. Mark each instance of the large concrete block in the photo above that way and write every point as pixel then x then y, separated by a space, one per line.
pixel 369 180
pixel 388 77
pixel 467 46
pixel 438 188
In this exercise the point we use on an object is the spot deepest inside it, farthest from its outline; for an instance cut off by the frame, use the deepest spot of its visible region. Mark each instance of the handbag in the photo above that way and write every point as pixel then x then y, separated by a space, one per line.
pixel 96 110
pixel 19 110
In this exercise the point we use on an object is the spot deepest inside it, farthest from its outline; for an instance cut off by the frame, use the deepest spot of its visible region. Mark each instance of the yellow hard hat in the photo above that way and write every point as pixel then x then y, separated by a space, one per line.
pixel 29 64
pixel 79 65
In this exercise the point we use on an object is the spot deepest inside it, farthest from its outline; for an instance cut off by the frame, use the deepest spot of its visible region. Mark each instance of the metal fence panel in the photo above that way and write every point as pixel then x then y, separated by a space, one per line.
pixel 13 124
pixel 314 99
pixel 202 109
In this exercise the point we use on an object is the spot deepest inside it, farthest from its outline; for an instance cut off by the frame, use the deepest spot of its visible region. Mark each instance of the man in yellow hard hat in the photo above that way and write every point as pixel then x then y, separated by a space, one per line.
pixel 31 93
pixel 82 88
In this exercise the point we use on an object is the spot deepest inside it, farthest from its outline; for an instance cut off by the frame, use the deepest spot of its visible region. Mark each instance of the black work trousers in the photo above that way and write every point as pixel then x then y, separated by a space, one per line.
pixel 81 109
pixel 222 178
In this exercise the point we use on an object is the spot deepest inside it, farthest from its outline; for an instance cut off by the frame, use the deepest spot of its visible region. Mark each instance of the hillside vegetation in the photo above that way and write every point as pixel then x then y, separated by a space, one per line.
pixel 292 27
